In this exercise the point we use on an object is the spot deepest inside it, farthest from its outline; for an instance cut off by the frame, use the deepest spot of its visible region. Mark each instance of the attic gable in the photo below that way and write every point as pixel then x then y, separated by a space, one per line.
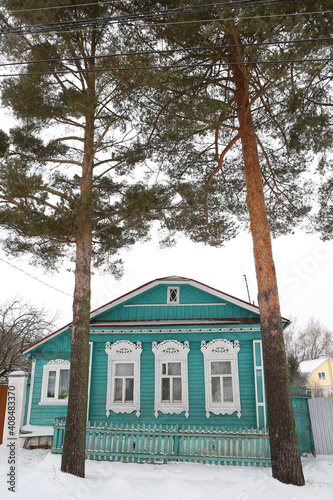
pixel 175 298
pixel 194 303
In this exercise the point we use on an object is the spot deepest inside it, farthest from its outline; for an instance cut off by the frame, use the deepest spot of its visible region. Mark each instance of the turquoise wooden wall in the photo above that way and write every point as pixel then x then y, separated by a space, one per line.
pixel 188 295
pixel 59 347
pixel 196 381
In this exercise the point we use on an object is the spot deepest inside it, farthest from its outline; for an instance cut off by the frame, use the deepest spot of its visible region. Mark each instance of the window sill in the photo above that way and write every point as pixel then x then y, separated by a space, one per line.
pixel 54 403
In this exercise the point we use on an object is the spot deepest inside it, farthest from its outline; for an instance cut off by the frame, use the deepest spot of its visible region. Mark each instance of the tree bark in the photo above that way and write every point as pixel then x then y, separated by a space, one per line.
pixel 73 458
pixel 285 455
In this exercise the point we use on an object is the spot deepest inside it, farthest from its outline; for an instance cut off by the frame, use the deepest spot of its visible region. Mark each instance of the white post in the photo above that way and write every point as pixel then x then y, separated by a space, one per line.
pixel 16 399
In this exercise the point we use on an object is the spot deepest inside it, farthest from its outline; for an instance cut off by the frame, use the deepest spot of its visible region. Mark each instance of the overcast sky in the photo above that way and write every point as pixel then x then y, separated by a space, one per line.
pixel 304 269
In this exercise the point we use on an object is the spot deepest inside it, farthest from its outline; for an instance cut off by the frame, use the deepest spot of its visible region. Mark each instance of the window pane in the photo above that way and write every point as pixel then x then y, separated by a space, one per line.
pixel 216 390
pixel 63 384
pixel 227 389
pixel 166 389
pixel 174 369
pixel 221 367
pixel 124 369
pixel 118 389
pixel 173 294
pixel 177 389
pixel 129 389
pixel 164 369
pixel 51 384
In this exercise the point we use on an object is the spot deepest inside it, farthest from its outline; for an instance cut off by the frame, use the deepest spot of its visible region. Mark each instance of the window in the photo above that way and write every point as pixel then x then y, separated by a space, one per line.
pixel 173 295
pixel 171 379
pixel 123 382
pixel 55 383
pixel 221 377
pixel 322 375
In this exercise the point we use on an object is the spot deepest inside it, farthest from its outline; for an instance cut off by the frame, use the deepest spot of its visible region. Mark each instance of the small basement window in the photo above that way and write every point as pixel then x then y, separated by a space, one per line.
pixel 173 295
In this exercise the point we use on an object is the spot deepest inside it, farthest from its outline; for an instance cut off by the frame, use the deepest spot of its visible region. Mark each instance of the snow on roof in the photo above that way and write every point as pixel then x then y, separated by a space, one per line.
pixel 311 365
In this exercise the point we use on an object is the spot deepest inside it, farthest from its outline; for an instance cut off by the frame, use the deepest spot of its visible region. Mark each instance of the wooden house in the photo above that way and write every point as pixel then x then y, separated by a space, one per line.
pixel 172 354
pixel 319 376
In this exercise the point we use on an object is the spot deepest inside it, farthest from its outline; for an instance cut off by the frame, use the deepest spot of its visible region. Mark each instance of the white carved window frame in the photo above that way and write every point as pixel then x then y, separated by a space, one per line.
pixel 171 351
pixel 123 351
pixel 221 350
pixel 54 365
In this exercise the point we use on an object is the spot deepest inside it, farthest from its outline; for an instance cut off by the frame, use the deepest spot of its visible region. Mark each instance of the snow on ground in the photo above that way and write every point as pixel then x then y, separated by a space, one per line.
pixel 38 477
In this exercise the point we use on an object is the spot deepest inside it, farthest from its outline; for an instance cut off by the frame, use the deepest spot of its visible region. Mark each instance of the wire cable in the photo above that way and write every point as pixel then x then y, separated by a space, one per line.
pixel 124 19
pixel 176 66
pixel 173 23
pixel 34 277
pixel 163 51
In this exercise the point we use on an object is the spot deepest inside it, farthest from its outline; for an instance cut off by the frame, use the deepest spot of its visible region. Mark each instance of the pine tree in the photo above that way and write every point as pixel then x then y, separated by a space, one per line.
pixel 69 182
pixel 244 107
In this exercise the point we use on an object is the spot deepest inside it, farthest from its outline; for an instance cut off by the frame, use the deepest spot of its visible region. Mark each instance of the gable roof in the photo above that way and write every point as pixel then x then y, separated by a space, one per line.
pixel 218 296
pixel 312 364
pixel 172 280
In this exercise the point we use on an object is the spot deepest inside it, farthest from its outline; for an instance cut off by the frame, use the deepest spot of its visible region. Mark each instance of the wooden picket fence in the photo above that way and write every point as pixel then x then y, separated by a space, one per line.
pixel 161 444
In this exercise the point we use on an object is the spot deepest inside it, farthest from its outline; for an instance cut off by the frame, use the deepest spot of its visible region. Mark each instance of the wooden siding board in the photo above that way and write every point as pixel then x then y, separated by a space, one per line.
pixel 43 414
pixel 188 295
pixel 196 382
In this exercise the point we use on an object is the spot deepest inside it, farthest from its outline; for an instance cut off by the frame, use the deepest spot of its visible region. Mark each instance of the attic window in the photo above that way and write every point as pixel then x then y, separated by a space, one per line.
pixel 322 375
pixel 173 295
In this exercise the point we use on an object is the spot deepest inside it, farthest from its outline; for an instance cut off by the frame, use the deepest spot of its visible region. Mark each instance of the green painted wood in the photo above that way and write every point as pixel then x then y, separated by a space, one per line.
pixel 299 398
pixel 194 303
pixel 194 444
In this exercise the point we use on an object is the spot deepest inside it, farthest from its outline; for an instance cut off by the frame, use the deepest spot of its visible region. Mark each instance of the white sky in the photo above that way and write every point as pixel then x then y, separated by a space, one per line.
pixel 304 267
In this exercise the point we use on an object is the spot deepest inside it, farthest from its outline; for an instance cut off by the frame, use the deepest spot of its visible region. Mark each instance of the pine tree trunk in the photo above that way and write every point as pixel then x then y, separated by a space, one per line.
pixel 73 458
pixel 285 455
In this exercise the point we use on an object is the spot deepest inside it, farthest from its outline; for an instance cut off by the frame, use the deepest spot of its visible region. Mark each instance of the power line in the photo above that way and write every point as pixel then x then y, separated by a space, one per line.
pixel 149 15
pixel 33 277
pixel 227 6
pixel 176 66
pixel 171 23
pixel 166 51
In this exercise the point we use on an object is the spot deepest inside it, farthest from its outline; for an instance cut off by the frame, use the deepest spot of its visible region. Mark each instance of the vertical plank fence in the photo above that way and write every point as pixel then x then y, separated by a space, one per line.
pixel 3 405
pixel 161 444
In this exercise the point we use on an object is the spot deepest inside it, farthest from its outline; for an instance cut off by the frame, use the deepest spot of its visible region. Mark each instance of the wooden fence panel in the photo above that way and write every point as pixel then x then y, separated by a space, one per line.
pixel 3 405
pixel 137 443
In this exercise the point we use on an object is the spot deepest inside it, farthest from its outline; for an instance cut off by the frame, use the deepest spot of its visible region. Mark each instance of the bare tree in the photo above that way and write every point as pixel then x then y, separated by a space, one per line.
pixel 314 341
pixel 310 342
pixel 20 325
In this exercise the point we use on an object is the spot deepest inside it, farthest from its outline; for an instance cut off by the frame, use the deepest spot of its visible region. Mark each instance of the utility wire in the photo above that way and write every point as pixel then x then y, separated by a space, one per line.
pixel 238 4
pixel 171 23
pixel 175 66
pixel 124 19
pixel 164 51
pixel 34 277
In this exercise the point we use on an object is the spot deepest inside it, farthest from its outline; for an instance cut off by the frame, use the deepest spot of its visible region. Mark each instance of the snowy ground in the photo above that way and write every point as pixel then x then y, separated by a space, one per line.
pixel 38 476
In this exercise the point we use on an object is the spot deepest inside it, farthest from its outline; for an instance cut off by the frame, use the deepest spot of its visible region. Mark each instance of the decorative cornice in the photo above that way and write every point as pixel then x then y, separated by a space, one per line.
pixel 173 330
